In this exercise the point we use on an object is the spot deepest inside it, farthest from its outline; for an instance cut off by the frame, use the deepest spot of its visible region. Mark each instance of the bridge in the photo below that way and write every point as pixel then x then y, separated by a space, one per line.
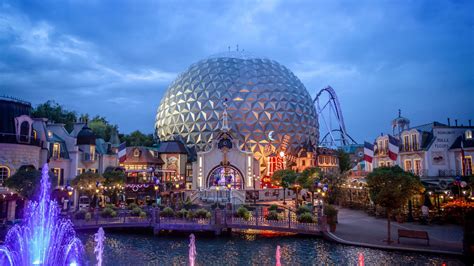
pixel 220 220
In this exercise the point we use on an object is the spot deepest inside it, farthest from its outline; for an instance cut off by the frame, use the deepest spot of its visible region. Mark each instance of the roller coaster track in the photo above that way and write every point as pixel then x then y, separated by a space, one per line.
pixel 332 107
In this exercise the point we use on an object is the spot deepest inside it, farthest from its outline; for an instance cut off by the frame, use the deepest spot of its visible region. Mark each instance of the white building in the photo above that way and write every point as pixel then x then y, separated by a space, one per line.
pixel 431 151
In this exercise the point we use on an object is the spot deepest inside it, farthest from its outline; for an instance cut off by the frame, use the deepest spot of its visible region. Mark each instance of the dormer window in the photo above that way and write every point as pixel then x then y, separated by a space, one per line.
pixel 136 153
pixel 468 134
pixel 56 151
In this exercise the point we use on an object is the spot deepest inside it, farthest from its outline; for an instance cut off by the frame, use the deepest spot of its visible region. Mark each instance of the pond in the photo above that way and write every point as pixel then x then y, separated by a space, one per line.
pixel 142 248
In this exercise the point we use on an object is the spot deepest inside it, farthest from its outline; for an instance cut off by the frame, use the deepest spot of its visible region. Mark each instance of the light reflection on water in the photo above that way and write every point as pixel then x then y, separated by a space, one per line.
pixel 244 249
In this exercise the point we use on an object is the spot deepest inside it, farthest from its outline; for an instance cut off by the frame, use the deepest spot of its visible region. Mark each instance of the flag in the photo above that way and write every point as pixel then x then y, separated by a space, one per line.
pixel 392 148
pixel 368 152
pixel 122 152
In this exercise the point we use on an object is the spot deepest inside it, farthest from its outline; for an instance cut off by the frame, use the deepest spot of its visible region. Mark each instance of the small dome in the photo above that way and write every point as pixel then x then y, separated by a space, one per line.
pixel 86 136
pixel 401 122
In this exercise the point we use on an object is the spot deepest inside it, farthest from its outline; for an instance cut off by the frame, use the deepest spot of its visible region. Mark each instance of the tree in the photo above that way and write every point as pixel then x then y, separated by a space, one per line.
pixel 345 163
pixel 113 181
pixel 391 188
pixel 26 181
pixel 308 178
pixel 284 178
pixel 55 112
pixel 101 127
pixel 87 180
pixel 137 138
pixel 114 178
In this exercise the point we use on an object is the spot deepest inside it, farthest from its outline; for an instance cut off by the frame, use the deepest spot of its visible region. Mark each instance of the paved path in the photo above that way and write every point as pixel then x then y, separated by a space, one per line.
pixel 358 228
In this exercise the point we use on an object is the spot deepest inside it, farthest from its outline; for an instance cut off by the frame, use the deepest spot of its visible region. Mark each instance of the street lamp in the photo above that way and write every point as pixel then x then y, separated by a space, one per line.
pixel 254 198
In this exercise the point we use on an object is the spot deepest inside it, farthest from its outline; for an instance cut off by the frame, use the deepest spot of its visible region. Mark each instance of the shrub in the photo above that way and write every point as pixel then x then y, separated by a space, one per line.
pixel 88 216
pixel 273 207
pixel 330 211
pixel 183 213
pixel 303 209
pixel 305 218
pixel 273 216
pixel 202 213
pixel 132 206
pixel 142 214
pixel 80 215
pixel 108 213
pixel 167 212
pixel 136 211
pixel 190 215
pixel 242 212
pixel 188 203
pixel 111 206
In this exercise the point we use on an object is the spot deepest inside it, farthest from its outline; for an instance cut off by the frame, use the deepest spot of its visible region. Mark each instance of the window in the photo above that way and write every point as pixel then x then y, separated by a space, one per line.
pixel 408 166
pixel 303 162
pixel 417 167
pixel 406 143
pixel 24 131
pixel 468 165
pixel 35 134
pixel 80 171
pixel 382 164
pixel 59 173
pixel 4 174
pixel 92 152
pixel 320 160
pixel 468 134
pixel 56 151
pixel 136 153
pixel 385 146
pixel 388 164
pixel 414 142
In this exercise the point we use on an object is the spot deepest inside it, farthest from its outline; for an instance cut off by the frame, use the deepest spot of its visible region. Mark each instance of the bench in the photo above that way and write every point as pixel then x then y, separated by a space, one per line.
pixel 413 234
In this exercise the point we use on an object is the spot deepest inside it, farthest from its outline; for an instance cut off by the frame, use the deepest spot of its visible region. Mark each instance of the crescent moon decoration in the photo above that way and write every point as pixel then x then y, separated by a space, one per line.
pixel 270 135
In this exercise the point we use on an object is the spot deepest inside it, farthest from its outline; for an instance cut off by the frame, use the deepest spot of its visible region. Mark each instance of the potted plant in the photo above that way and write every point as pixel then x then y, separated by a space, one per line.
pixel 331 217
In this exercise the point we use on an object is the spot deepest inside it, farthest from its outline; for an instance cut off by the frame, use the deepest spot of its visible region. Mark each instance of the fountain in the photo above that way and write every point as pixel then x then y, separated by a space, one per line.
pixel 278 256
pixel 192 250
pixel 99 238
pixel 43 238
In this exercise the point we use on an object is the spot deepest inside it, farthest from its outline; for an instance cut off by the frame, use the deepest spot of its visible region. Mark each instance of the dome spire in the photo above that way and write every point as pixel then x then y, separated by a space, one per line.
pixel 225 117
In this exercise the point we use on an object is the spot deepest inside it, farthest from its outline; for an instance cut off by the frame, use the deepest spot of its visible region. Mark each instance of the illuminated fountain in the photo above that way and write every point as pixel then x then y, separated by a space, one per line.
pixel 99 238
pixel 44 238
pixel 278 256
pixel 192 250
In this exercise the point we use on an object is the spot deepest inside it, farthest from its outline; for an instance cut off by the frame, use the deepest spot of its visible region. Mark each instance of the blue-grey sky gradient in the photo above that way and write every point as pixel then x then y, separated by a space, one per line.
pixel 116 58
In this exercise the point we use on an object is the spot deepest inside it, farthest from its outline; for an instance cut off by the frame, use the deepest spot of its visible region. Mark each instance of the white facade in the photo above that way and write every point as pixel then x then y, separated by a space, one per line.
pixel 429 151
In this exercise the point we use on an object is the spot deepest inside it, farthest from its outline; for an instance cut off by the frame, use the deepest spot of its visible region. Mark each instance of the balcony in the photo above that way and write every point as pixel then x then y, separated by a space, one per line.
pixel 19 139
pixel 381 152
pixel 89 157
pixel 420 173
pixel 410 148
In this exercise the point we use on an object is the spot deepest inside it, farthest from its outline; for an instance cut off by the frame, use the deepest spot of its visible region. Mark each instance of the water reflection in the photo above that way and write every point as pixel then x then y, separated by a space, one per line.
pixel 244 249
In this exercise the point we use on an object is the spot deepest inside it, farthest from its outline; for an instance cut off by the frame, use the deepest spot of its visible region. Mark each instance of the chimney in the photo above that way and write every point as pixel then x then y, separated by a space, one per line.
pixel 449 122
pixel 470 122
pixel 455 122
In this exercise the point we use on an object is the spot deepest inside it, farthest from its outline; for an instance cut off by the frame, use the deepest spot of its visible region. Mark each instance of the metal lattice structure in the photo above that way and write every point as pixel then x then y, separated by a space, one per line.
pixel 266 102
pixel 330 113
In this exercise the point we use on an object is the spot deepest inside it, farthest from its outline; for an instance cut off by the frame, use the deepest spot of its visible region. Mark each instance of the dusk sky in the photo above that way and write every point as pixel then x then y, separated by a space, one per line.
pixel 116 58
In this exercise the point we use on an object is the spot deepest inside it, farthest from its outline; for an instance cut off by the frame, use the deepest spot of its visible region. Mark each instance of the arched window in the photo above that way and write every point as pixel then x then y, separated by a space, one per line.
pixel 225 176
pixel 136 153
pixel 4 174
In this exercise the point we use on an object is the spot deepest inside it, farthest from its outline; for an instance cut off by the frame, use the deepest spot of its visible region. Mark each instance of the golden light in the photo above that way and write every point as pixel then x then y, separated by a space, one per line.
pixel 323 194
pixel 217 188
pixel 177 185
pixel 69 193
pixel 156 187
pixel 319 190
pixel 96 191
pixel 282 154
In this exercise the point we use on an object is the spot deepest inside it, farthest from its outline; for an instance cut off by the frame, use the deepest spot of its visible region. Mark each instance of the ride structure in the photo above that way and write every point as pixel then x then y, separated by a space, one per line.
pixel 329 113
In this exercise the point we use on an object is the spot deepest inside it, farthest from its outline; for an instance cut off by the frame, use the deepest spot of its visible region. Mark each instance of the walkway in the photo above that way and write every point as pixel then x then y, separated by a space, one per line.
pixel 357 228
pixel 219 221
